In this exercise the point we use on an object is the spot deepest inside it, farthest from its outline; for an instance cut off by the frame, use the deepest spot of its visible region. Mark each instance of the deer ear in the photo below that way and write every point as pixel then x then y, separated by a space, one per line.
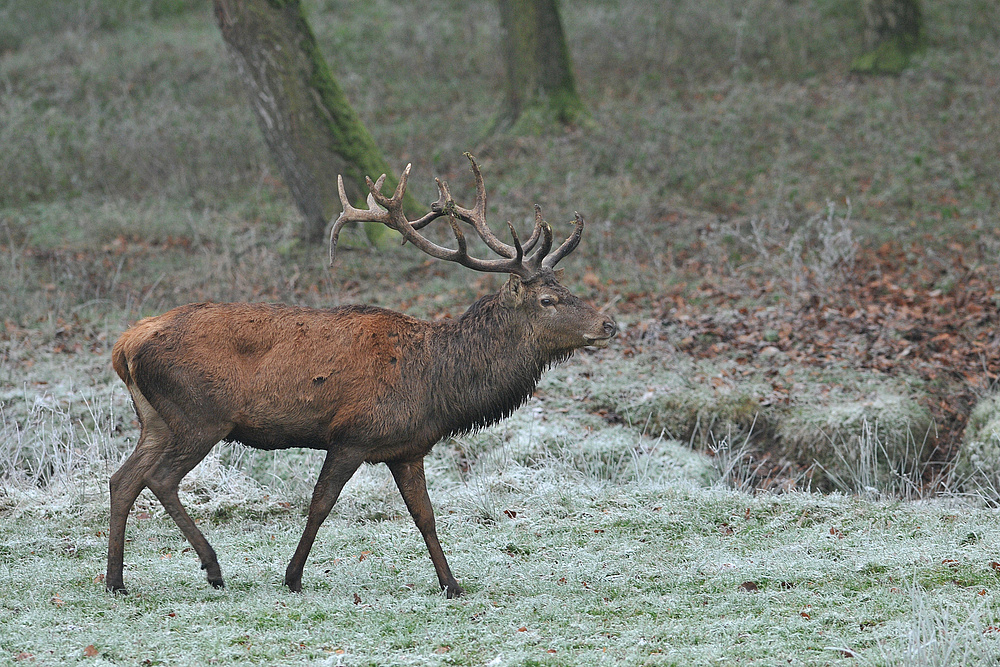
pixel 512 293
pixel 558 273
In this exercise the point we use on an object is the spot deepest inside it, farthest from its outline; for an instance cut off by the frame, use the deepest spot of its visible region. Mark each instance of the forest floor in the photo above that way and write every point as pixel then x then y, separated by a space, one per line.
pixel 760 468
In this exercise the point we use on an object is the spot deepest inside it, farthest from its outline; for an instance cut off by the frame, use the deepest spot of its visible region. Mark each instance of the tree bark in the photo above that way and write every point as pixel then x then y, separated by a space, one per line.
pixel 538 69
pixel 312 131
pixel 893 33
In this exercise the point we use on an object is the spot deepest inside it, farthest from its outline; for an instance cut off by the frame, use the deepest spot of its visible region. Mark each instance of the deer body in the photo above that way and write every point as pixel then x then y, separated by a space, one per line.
pixel 362 383
pixel 281 376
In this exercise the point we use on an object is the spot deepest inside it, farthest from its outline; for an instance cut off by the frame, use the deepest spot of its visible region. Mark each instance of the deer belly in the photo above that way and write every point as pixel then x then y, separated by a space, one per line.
pixel 265 438
pixel 284 419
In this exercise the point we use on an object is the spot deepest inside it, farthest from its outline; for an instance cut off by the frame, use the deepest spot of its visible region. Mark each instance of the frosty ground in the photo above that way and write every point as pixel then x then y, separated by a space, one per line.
pixel 578 541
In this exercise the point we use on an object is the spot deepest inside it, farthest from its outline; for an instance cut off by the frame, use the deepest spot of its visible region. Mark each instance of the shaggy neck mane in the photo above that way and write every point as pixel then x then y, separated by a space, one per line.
pixel 487 366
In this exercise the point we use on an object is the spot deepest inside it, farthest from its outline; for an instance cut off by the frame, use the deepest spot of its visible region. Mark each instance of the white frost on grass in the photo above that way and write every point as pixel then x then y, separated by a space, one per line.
pixel 570 535
pixel 977 466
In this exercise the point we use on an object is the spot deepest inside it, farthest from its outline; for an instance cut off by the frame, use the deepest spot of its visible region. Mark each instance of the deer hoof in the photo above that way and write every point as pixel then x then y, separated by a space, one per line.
pixel 214 574
pixel 116 588
pixel 453 590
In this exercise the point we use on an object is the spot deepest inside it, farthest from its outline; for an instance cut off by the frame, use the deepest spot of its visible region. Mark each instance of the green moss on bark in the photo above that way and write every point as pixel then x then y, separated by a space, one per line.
pixel 893 35
pixel 890 57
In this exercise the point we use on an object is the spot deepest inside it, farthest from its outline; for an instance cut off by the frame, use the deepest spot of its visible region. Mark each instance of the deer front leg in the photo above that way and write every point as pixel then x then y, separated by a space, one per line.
pixel 338 467
pixel 409 478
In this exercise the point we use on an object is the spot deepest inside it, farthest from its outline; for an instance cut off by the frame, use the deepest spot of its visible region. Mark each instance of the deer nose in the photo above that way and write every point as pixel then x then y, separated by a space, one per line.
pixel 610 327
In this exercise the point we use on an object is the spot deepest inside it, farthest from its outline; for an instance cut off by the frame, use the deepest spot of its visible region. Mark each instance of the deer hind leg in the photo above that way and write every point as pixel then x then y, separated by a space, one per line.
pixel 125 485
pixel 128 481
pixel 409 478
pixel 338 468
pixel 188 447
pixel 163 481
pixel 161 459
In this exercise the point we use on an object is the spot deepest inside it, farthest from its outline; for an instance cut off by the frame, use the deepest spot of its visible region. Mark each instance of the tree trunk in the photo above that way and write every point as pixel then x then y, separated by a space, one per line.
pixel 539 87
pixel 893 33
pixel 308 124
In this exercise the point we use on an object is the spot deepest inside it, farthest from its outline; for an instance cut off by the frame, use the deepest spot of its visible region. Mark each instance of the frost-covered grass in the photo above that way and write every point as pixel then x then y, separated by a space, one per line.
pixel 578 542
pixel 977 466
pixel 859 430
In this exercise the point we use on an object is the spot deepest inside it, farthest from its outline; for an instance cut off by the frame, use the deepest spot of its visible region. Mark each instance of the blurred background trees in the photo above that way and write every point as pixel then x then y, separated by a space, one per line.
pixel 539 90
pixel 128 103
pixel 313 132
pixel 893 34
pixel 309 126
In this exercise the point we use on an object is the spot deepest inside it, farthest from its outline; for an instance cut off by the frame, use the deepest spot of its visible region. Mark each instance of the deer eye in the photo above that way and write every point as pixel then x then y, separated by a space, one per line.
pixel 547 301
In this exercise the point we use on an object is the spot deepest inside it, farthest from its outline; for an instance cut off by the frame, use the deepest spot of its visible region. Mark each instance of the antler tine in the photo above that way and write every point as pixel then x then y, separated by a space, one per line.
pixel 459 237
pixel 352 214
pixel 517 243
pixel 535 261
pixel 476 216
pixel 568 246
pixel 401 186
pixel 437 208
pixel 444 195
pixel 375 195
pixel 536 232
pixel 480 187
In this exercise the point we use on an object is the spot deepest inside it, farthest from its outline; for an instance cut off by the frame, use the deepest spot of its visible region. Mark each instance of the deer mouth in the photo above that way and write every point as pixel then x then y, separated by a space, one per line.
pixel 598 342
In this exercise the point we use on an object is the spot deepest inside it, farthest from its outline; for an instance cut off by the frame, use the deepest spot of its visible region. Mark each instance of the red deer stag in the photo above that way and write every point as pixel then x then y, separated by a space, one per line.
pixel 364 384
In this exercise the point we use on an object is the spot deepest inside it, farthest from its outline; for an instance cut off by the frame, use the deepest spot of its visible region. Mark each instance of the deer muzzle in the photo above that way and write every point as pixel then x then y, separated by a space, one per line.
pixel 609 329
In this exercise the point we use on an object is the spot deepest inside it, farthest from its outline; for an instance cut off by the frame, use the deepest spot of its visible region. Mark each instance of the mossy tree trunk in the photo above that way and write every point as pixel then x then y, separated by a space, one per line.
pixel 308 124
pixel 893 33
pixel 539 87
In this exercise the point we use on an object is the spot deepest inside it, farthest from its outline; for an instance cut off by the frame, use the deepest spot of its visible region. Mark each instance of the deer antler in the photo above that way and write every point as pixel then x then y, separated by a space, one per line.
pixel 389 212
